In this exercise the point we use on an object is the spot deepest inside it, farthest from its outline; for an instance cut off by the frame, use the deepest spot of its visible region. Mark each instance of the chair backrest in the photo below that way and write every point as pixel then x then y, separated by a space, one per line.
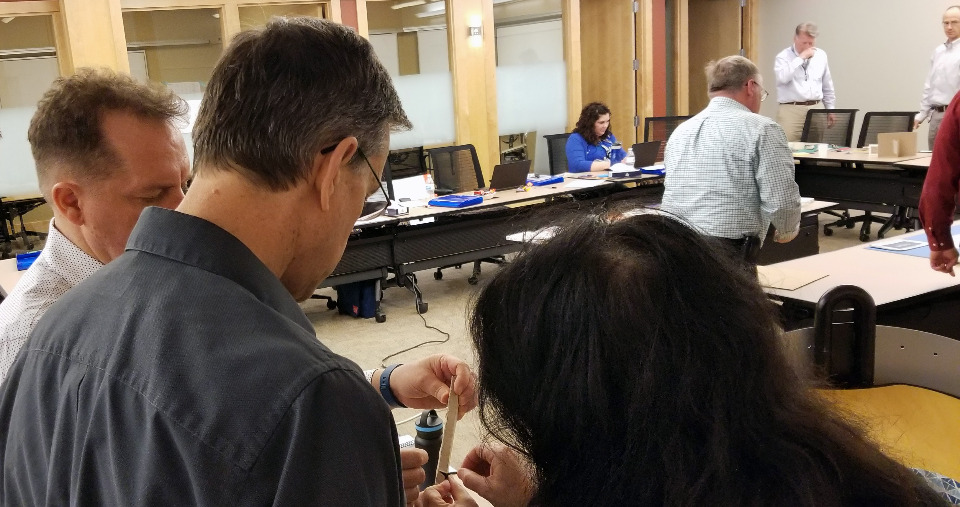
pixel 660 128
pixel 817 128
pixel 557 152
pixel 407 162
pixel 881 122
pixel 456 169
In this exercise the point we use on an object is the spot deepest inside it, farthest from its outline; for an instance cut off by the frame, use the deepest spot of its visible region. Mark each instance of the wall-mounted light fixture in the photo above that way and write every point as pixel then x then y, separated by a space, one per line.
pixel 475 31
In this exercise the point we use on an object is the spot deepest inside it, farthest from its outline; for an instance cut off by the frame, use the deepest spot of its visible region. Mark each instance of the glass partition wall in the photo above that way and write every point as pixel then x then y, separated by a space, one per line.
pixel 28 65
pixel 531 78
pixel 410 38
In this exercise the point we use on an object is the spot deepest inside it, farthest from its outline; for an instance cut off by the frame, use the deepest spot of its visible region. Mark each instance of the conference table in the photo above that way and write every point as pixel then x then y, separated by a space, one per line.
pixel 906 291
pixel 856 179
pixel 435 237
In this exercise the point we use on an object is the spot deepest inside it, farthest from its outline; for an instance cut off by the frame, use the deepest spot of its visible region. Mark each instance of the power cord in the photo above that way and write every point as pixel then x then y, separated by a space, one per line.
pixel 383 362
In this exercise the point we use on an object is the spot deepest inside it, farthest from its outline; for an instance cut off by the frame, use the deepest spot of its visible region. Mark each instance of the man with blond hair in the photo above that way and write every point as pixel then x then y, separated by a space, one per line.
pixel 729 171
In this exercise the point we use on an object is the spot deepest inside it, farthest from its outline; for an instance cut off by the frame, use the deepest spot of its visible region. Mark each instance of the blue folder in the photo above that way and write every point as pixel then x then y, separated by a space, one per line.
pixel 455 201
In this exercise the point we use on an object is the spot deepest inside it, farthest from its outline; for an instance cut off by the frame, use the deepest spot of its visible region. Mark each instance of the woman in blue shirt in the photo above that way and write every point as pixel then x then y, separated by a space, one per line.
pixel 591 146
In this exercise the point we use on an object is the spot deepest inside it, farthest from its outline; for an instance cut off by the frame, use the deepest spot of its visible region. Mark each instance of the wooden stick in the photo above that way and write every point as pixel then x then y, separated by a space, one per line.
pixel 449 428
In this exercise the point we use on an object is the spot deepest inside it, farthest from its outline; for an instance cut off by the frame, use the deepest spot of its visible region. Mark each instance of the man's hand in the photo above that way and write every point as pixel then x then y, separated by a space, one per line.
pixel 916 124
pixel 944 260
pixel 831 120
pixel 498 474
pixel 411 463
pixel 426 383
pixel 808 53
pixel 448 492
pixel 781 237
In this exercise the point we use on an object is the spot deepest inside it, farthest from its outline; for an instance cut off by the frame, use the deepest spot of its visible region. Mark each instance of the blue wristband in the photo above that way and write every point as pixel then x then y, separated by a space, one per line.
pixel 385 390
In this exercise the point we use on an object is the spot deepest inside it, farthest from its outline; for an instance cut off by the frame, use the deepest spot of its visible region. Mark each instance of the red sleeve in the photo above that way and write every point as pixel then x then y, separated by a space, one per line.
pixel 939 198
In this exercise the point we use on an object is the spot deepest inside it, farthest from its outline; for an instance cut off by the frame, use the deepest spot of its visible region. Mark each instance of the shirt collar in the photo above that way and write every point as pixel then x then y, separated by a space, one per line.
pixel 67 259
pixel 727 102
pixel 196 242
pixel 950 43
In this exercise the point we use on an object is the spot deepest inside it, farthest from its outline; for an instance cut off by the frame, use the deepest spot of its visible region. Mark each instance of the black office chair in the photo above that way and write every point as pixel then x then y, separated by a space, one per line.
pixel 817 129
pixel 407 162
pixel 878 123
pixel 660 128
pixel 557 152
pixel 457 169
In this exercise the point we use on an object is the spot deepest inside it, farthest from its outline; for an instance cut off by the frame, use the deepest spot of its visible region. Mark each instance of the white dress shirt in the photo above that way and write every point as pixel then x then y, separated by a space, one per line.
pixel 800 80
pixel 729 172
pixel 59 267
pixel 943 81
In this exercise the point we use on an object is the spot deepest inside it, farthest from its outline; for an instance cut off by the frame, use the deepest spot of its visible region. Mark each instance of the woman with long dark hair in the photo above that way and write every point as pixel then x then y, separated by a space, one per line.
pixel 628 363
pixel 592 146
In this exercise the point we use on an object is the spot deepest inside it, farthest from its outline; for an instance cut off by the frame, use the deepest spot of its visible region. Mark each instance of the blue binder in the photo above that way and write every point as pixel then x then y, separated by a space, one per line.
pixel 455 201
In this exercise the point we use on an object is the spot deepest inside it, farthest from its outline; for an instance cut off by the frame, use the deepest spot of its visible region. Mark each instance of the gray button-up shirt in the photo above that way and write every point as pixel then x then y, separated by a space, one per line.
pixel 184 373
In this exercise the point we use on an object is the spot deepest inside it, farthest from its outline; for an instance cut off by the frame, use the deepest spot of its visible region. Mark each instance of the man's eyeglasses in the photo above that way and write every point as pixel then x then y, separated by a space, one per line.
pixel 763 92
pixel 371 208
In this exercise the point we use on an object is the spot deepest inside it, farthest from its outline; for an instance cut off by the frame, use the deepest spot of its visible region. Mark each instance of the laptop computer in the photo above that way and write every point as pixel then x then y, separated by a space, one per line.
pixel 645 154
pixel 512 175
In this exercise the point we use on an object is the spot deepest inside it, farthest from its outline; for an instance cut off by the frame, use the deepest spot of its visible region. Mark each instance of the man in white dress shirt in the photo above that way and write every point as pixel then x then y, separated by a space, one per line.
pixel 105 147
pixel 803 81
pixel 943 81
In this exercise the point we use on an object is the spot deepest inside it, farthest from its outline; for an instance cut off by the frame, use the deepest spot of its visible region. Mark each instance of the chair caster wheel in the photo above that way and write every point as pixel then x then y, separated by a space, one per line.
pixel 331 304
pixel 473 280
pixel 827 231
pixel 851 225
pixel 380 318
pixel 864 238
pixel 438 275
pixel 421 308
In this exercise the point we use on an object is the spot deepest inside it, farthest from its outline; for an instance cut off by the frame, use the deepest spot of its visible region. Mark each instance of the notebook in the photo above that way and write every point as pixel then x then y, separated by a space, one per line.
pixel 512 175
pixel 645 154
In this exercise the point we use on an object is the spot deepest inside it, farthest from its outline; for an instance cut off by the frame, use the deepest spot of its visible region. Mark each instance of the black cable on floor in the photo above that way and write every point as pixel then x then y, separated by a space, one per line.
pixel 383 362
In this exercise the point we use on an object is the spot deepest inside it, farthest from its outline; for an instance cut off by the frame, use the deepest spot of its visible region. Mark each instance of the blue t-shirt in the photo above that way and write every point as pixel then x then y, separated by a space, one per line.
pixel 580 154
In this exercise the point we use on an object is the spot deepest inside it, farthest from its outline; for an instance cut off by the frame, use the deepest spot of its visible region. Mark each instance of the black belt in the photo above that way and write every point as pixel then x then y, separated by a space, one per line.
pixel 804 103
pixel 939 109
pixel 745 249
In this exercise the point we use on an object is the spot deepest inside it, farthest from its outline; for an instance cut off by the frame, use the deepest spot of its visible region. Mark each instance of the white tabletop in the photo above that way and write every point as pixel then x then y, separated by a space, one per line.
pixel 9 276
pixel 886 276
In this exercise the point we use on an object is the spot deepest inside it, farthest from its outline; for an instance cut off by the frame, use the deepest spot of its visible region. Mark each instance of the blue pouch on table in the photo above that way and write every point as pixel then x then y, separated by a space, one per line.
pixel 455 201
pixel 545 180
pixel 25 260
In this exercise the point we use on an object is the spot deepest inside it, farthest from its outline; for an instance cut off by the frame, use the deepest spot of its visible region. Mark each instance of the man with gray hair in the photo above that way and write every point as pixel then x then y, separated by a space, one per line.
pixel 943 81
pixel 184 372
pixel 729 171
pixel 803 81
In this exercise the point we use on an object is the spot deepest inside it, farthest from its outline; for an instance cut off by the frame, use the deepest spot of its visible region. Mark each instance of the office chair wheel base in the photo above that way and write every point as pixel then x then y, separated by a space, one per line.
pixel 380 318
pixel 438 275
pixel 422 308
pixel 473 280
pixel 827 231
pixel 850 225
pixel 880 235
pixel 331 304
pixel 864 237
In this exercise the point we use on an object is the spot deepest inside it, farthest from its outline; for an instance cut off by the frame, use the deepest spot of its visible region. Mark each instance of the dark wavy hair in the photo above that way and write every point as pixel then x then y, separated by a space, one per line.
pixel 588 117
pixel 633 365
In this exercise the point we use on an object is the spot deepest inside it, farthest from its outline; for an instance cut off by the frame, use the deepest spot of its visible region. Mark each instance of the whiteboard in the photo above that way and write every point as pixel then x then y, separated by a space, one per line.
pixel 434 56
pixel 530 43
pixel 24 80
pixel 385 46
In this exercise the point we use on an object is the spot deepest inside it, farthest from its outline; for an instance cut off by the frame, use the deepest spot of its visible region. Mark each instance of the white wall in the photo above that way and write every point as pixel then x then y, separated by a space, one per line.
pixel 879 50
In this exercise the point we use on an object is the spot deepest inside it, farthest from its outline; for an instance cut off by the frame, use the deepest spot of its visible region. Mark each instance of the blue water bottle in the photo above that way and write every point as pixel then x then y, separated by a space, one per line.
pixel 429 435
